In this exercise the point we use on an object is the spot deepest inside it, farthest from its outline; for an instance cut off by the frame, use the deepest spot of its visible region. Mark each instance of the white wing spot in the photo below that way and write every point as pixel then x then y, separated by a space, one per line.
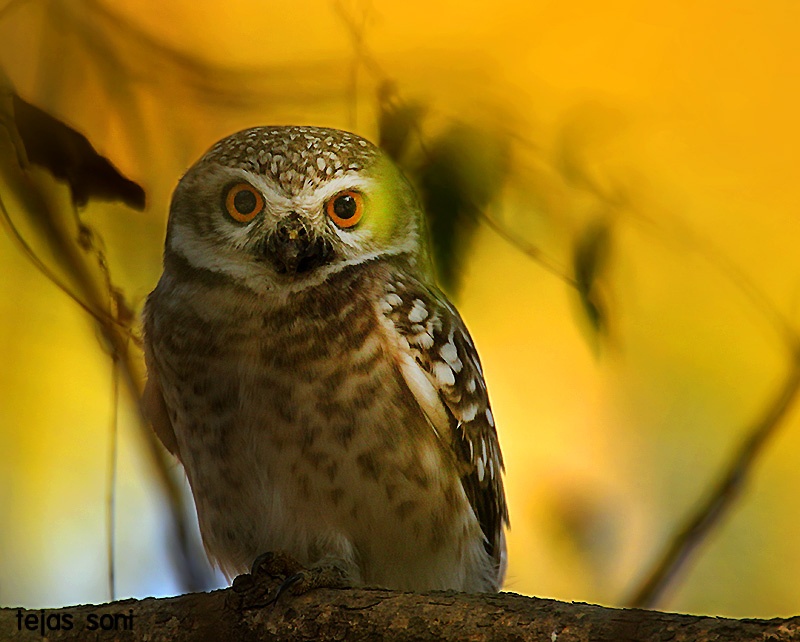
pixel 480 467
pixel 393 300
pixel 443 373
pixel 468 414
pixel 471 386
pixel 483 450
pixel 423 340
pixel 490 417
pixel 448 352
pixel 320 163
pixel 418 312
pixel 424 392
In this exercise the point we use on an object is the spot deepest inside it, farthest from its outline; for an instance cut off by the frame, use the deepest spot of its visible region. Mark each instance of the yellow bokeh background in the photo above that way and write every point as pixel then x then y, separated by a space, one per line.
pixel 689 110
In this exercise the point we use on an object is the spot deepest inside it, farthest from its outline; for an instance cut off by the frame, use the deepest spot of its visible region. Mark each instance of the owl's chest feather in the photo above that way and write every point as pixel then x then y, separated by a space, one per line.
pixel 303 410
pixel 272 368
pixel 261 386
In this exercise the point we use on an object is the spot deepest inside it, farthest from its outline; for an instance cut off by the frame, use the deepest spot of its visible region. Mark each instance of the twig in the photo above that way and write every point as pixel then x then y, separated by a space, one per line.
pixel 721 498
pixel 528 249
pixel 357 33
pixel 370 63
pixel 118 335
pixel 100 316
pixel 111 480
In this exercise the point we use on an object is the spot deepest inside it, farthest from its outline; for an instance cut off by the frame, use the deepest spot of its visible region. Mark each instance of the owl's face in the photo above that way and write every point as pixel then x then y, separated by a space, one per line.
pixel 274 207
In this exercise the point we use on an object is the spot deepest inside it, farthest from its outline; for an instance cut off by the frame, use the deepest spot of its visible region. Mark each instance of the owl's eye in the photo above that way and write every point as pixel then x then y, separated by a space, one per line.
pixel 243 202
pixel 346 208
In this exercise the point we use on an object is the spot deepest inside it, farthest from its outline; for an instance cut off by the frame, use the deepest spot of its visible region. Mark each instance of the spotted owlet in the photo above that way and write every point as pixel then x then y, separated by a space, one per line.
pixel 323 396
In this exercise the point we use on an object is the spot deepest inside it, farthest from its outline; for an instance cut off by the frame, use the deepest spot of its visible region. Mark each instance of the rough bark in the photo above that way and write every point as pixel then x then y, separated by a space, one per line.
pixel 243 613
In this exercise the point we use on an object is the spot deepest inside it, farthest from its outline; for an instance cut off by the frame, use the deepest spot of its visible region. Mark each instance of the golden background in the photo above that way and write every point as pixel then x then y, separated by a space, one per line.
pixel 674 122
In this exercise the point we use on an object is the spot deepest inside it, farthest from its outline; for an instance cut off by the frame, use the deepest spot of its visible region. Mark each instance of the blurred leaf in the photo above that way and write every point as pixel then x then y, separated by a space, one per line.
pixel 29 135
pixel 587 135
pixel 590 258
pixel 583 519
pixel 69 156
pixel 463 171
pixel 397 121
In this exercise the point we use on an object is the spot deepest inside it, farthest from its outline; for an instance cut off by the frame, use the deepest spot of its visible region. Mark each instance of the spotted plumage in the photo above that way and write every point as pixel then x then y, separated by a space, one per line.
pixel 296 156
pixel 323 396
pixel 434 334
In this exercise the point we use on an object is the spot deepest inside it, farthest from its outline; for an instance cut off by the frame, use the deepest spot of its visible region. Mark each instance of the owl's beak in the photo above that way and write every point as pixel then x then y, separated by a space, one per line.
pixel 294 249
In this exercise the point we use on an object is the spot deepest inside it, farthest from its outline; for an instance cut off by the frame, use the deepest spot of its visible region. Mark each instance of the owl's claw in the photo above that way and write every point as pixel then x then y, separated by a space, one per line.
pixel 256 589
pixel 286 585
pixel 296 579
pixel 318 576
pixel 275 565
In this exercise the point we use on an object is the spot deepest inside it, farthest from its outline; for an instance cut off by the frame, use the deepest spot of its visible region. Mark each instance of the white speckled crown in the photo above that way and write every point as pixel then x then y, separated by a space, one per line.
pixel 294 156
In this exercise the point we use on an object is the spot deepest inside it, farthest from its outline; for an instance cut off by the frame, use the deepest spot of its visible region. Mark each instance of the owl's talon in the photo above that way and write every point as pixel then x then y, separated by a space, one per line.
pixel 243 583
pixel 286 585
pixel 308 579
pixel 256 588
pixel 276 565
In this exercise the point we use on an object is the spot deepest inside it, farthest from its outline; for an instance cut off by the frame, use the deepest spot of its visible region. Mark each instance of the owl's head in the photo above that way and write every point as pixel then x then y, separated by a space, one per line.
pixel 277 206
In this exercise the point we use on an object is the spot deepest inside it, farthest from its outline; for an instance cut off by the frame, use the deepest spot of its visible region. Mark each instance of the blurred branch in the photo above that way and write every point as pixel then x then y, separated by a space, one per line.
pixel 399 117
pixel 357 29
pixel 30 254
pixel 376 614
pixel 357 34
pixel 681 234
pixel 111 480
pixel 529 250
pixel 74 247
pixel 722 496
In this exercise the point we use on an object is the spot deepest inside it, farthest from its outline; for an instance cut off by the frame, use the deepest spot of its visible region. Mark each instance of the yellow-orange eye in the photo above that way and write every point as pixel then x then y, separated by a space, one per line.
pixel 346 208
pixel 243 202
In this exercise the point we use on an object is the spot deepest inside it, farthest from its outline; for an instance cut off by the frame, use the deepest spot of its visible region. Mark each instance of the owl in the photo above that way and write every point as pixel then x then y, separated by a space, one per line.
pixel 323 396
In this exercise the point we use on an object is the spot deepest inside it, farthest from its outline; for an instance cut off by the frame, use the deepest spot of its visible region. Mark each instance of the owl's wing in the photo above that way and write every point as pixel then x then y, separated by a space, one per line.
pixel 441 367
pixel 155 409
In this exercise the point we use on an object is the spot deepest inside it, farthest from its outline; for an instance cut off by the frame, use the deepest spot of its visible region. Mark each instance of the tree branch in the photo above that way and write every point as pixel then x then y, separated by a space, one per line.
pixel 367 614
pixel 722 496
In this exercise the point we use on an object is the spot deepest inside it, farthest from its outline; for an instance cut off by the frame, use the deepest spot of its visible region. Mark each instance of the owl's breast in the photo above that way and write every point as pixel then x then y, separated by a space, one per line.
pixel 317 364
pixel 302 411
